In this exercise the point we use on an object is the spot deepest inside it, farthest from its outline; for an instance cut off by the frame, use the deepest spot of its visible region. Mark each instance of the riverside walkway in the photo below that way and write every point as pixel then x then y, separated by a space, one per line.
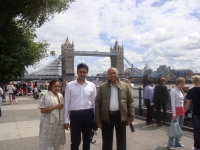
pixel 19 130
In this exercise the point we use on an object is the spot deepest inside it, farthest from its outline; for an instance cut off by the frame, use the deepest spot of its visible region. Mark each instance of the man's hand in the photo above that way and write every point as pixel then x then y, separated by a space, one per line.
pixel 99 125
pixel 66 126
pixel 152 104
pixel 128 122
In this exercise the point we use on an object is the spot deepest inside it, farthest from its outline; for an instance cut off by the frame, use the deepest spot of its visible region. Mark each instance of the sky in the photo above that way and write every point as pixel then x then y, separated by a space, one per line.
pixel 156 32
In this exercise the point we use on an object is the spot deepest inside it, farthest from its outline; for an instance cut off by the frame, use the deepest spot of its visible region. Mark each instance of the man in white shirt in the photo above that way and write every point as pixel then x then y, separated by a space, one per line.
pixel 148 99
pixel 114 108
pixel 80 103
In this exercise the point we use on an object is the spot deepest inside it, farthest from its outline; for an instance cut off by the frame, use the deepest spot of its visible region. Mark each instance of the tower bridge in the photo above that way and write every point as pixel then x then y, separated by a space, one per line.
pixel 63 66
pixel 94 53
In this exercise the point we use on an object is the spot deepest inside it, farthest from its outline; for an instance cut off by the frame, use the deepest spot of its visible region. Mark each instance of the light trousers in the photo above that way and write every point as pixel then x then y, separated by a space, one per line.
pixel 6 96
pixel 177 140
pixel 0 101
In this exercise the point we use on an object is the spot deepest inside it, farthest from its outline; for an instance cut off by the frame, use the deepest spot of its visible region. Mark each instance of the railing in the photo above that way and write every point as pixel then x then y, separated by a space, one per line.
pixel 138 97
pixel 139 104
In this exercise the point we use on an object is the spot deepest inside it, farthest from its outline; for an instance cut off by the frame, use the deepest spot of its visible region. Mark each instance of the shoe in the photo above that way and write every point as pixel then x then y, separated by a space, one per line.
pixel 180 145
pixel 170 147
pixel 159 125
pixel 151 123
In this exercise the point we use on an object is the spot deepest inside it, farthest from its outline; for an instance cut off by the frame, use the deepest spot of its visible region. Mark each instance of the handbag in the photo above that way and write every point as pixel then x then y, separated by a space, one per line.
pixel 174 131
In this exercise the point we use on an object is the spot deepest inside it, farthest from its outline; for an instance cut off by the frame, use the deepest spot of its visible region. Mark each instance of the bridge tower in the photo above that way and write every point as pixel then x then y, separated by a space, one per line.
pixel 67 52
pixel 118 60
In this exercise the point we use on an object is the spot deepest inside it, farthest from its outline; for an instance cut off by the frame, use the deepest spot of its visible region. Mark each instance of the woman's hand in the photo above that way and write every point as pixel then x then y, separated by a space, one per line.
pixel 49 109
pixel 174 117
pixel 59 106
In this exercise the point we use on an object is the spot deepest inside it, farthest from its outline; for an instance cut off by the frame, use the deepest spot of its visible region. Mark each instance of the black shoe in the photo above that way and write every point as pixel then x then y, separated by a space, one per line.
pixel 151 123
pixel 159 125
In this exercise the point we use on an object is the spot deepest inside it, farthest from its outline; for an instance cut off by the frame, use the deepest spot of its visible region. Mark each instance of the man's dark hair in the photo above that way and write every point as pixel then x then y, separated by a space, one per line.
pixel 82 65
pixel 150 82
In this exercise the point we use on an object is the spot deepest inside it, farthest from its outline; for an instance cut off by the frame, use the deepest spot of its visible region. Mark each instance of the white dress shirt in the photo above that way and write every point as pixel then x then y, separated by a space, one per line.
pixel 177 99
pixel 148 93
pixel 114 102
pixel 79 97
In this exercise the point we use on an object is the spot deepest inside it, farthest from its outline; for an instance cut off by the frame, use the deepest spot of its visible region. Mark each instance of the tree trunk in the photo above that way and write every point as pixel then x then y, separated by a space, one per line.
pixel 2 16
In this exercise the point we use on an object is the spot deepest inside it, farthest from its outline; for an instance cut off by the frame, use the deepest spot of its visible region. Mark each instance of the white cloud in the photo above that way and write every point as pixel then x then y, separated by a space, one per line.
pixel 168 34
pixel 81 61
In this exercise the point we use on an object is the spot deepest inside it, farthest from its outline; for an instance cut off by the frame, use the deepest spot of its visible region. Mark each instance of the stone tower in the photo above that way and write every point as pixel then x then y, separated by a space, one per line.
pixel 67 51
pixel 118 60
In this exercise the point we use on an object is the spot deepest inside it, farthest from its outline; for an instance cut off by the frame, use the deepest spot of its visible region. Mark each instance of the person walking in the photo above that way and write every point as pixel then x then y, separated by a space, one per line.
pixel 177 103
pixel 51 103
pixel 148 99
pixel 1 94
pixel 24 85
pixel 193 96
pixel 114 108
pixel 79 103
pixel 15 92
pixel 160 98
pixel 6 96
pixel 10 89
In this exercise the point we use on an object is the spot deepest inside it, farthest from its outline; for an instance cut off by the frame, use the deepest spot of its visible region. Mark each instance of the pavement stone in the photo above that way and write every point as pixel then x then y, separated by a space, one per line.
pixel 19 130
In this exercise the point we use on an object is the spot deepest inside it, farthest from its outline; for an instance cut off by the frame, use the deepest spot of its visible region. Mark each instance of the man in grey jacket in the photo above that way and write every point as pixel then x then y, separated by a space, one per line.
pixel 114 108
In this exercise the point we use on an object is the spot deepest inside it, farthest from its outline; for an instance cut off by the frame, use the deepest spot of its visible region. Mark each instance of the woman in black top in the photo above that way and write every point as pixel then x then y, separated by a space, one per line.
pixel 193 96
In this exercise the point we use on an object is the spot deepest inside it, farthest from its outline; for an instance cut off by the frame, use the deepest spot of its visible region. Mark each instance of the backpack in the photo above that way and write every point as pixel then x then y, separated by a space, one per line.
pixel 6 88
pixel 16 91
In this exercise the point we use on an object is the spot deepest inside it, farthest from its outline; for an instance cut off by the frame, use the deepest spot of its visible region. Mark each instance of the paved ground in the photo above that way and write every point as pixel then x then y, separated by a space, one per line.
pixel 19 128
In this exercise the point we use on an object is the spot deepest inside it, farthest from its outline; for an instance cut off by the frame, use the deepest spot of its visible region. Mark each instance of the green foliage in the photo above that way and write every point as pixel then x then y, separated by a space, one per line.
pixel 18 51
pixel 18 20
pixel 34 12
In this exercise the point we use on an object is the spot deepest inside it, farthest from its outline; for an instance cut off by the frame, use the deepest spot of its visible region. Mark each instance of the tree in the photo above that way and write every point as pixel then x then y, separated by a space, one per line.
pixel 30 13
pixel 18 51
pixel 18 20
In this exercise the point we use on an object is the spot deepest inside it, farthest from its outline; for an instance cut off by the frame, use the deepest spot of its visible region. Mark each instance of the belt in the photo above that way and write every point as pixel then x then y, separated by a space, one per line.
pixel 82 110
pixel 114 112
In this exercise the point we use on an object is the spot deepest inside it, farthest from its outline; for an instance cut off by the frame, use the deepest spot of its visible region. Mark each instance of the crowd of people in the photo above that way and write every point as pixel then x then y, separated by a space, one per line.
pixel 8 92
pixel 111 107
pixel 80 107
pixel 158 97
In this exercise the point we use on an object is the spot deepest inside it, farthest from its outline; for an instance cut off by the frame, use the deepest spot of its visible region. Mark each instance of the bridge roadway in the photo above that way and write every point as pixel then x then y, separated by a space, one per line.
pixel 94 53
pixel 19 129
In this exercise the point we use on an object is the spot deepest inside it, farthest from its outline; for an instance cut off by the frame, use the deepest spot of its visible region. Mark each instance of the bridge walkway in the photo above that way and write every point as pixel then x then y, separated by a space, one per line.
pixel 19 129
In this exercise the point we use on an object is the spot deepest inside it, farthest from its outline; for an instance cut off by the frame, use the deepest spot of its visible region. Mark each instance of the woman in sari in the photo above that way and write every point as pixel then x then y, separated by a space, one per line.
pixel 51 103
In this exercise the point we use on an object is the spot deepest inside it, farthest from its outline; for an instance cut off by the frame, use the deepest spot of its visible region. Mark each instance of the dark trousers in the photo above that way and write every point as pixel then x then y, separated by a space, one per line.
pixel 158 113
pixel 149 111
pixel 81 122
pixel 107 132
pixel 196 125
